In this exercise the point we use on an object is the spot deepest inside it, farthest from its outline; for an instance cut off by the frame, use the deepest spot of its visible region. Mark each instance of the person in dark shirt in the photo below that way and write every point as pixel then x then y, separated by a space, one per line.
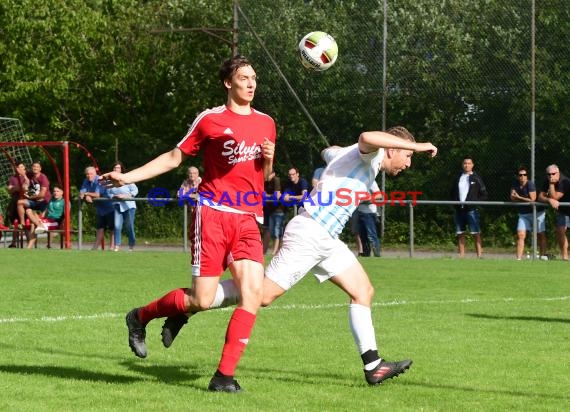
pixel 296 189
pixel 556 189
pixel 523 190
pixel 468 186
pixel 273 214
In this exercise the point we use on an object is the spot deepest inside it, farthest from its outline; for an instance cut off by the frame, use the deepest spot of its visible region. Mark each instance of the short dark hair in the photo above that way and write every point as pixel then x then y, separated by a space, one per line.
pixel 119 163
pixel 521 168
pixel 230 66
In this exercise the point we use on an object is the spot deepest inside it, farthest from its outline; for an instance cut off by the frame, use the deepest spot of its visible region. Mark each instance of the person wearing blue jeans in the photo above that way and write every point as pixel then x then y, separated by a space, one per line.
pixel 124 209
pixel 367 223
pixel 273 214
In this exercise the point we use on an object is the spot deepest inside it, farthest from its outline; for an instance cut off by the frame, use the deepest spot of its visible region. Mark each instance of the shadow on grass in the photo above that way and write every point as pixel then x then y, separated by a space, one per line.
pixel 163 373
pixel 68 373
pixel 531 318
pixel 185 375
pixel 522 394
pixel 55 351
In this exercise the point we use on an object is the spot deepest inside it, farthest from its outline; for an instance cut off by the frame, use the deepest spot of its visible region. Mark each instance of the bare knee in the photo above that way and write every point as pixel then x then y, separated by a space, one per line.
pixel 364 295
pixel 196 301
pixel 252 295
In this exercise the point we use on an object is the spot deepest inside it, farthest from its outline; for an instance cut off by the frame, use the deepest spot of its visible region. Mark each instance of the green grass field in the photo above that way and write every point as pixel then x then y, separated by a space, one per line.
pixel 483 334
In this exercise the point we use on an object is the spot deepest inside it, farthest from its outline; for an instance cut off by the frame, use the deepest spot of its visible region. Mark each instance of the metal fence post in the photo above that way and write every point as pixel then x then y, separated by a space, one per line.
pixel 411 209
pixel 79 224
pixel 185 228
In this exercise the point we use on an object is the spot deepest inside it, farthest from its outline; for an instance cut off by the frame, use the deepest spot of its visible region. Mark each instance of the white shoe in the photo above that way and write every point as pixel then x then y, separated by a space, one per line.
pixel 40 229
pixel 544 257
pixel 116 249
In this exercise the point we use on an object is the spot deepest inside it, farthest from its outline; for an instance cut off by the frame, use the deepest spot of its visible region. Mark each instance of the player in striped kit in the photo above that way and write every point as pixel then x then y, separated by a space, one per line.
pixel 311 240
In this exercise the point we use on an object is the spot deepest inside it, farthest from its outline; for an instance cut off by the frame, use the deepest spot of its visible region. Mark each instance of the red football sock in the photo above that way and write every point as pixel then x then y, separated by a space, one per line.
pixel 237 336
pixel 169 305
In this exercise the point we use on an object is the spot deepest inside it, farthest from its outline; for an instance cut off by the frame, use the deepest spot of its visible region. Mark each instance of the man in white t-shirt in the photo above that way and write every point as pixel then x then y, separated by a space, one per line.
pixel 311 240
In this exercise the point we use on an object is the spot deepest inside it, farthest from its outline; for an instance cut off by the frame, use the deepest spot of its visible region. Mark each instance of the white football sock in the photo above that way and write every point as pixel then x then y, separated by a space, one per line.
pixel 360 320
pixel 227 294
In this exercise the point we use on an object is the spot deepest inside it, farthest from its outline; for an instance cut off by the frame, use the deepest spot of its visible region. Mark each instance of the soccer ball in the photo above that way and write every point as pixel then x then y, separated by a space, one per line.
pixel 318 51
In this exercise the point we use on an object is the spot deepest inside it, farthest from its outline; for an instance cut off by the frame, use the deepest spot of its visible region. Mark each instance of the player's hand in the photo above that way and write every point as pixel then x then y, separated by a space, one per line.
pixel 268 149
pixel 112 179
pixel 428 147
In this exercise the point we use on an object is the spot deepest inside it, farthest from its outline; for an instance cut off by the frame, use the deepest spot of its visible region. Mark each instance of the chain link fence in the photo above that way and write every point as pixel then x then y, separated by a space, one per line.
pixel 456 73
pixel 10 131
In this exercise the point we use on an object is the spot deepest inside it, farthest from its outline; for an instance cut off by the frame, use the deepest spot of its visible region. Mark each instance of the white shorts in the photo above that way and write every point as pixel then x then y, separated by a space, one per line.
pixel 307 245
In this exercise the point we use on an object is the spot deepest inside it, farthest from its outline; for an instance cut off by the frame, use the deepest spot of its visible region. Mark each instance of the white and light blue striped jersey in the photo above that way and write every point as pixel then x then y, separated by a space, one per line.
pixel 348 172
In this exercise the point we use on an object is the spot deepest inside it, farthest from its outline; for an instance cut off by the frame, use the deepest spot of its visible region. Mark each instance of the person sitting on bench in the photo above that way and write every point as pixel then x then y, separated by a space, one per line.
pixel 49 219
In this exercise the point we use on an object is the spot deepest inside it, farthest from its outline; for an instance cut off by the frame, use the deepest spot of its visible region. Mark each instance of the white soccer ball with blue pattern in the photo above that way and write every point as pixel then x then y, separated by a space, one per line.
pixel 318 51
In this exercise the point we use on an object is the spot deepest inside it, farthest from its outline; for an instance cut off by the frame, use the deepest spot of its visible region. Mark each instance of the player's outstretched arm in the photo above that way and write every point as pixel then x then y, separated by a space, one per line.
pixel 159 165
pixel 371 141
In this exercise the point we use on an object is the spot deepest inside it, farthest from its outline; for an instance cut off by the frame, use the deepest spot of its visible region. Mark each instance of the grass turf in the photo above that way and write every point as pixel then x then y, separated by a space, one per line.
pixel 483 334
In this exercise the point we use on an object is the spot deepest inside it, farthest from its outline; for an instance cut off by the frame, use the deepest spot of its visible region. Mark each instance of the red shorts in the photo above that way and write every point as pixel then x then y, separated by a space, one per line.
pixel 219 238
pixel 50 223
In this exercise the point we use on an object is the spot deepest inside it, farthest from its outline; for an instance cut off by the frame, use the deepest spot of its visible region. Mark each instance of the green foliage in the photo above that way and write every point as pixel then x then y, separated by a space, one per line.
pixel 125 79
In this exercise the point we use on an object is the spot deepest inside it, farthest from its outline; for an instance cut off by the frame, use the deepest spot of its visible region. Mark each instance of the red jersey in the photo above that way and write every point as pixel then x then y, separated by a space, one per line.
pixel 233 159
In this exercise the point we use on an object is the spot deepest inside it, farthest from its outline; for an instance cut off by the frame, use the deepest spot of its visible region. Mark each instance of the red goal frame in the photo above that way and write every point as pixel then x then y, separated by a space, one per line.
pixel 64 145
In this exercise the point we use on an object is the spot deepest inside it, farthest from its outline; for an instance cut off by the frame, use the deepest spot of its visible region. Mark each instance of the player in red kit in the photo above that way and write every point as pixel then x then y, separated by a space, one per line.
pixel 238 144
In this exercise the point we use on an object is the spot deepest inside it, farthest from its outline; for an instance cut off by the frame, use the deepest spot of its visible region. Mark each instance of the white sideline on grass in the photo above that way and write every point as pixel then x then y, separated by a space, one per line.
pixel 292 307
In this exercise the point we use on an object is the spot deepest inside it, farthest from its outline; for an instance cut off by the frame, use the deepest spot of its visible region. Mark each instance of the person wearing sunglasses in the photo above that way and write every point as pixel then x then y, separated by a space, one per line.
pixel 556 190
pixel 524 190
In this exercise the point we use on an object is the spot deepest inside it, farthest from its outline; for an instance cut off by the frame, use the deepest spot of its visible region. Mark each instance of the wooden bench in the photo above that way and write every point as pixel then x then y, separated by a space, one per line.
pixel 19 233
pixel 60 232
pixel 20 237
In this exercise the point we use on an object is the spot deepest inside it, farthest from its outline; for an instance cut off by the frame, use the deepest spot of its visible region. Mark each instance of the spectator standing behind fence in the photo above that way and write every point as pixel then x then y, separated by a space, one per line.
pixel 38 194
pixel 368 224
pixel 468 187
pixel 316 176
pixel 50 218
pixel 524 190
pixel 104 211
pixel 124 209
pixel 191 183
pixel 18 184
pixel 556 189
pixel 273 214
pixel 189 188
pixel 295 189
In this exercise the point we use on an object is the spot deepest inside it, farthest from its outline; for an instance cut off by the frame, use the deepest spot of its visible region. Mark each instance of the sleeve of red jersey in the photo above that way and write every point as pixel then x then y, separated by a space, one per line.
pixel 192 141
pixel 273 138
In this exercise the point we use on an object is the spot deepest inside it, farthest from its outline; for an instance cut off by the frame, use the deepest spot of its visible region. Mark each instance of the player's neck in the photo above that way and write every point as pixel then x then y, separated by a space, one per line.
pixel 239 107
